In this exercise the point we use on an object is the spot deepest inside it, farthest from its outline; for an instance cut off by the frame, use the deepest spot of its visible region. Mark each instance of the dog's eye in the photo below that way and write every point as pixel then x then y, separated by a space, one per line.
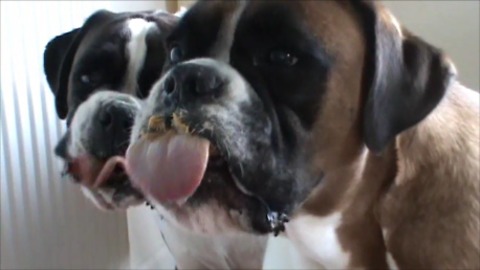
pixel 90 80
pixel 85 79
pixel 282 58
pixel 176 54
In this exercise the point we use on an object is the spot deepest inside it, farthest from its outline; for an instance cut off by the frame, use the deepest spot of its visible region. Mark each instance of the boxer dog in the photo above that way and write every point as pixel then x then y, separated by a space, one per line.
pixel 325 121
pixel 120 52
pixel 99 73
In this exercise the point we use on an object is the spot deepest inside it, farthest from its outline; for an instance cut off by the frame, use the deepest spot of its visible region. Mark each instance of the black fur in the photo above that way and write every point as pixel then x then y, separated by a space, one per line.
pixel 103 58
pixel 405 79
pixel 58 59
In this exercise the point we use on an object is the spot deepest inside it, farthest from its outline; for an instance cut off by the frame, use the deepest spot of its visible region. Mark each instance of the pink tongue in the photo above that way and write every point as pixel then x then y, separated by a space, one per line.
pixel 169 168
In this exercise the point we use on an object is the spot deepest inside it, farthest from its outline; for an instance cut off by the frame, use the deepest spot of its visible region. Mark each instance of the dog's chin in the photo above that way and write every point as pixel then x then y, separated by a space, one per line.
pixel 105 182
pixel 216 206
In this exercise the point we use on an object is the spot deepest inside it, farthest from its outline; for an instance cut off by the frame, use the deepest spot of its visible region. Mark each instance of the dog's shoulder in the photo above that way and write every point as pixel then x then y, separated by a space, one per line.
pixel 449 136
pixel 430 214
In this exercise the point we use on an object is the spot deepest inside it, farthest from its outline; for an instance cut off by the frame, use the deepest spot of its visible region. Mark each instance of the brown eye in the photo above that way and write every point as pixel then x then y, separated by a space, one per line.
pixel 282 58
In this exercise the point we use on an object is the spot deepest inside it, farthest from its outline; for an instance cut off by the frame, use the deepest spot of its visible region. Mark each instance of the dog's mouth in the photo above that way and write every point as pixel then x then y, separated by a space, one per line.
pixel 107 174
pixel 169 161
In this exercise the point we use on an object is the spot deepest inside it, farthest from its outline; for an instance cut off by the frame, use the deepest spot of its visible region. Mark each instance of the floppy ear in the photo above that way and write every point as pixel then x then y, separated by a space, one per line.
pixel 58 59
pixel 405 77
pixel 53 56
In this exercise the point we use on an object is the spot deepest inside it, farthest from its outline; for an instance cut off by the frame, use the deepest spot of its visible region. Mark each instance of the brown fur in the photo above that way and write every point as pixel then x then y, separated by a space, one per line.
pixel 432 211
pixel 423 190
pixel 413 192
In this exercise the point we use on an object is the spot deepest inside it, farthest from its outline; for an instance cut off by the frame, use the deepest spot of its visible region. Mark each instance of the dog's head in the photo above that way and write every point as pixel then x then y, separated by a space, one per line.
pixel 263 99
pixel 119 52
pixel 116 51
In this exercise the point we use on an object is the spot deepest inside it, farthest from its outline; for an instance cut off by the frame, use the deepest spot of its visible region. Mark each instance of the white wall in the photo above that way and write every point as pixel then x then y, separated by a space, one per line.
pixel 450 25
pixel 46 223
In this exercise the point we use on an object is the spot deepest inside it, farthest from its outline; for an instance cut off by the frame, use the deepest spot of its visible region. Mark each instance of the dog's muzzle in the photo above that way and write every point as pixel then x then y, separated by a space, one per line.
pixel 205 122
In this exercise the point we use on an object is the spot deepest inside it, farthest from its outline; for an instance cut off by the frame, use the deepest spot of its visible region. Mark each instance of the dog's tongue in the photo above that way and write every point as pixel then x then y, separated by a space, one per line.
pixel 169 168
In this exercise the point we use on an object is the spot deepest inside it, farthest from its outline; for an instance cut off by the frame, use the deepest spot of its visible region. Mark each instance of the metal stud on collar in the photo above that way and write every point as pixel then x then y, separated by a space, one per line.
pixel 277 222
pixel 275 219
pixel 149 205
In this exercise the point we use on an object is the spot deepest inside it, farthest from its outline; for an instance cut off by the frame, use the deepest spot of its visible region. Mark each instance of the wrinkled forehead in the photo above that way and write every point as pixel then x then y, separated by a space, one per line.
pixel 213 25
pixel 102 37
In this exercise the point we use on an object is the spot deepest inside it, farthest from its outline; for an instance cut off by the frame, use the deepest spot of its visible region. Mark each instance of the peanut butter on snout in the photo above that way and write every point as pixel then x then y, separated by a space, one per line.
pixel 156 124
pixel 157 128
pixel 179 125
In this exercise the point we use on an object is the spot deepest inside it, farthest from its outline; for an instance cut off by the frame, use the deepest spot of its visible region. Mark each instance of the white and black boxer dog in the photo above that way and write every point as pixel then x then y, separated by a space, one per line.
pixel 323 119
pixel 99 73
pixel 121 52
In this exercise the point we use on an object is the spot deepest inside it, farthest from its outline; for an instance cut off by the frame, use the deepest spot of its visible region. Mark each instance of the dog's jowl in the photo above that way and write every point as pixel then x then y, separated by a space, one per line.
pixel 324 118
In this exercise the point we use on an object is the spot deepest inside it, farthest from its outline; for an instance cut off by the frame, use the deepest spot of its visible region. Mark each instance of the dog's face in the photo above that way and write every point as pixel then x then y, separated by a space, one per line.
pixel 119 52
pixel 123 52
pixel 263 99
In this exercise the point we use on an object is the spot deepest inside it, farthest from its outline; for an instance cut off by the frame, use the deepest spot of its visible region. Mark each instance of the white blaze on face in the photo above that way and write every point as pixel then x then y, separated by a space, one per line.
pixel 221 49
pixel 136 51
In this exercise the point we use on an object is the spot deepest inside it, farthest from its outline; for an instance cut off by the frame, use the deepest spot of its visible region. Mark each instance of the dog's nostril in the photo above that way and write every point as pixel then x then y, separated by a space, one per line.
pixel 127 124
pixel 105 118
pixel 169 85
pixel 215 83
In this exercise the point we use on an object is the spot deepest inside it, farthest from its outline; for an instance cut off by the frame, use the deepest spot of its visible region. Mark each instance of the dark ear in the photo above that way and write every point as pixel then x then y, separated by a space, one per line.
pixel 405 77
pixel 58 59
pixel 53 55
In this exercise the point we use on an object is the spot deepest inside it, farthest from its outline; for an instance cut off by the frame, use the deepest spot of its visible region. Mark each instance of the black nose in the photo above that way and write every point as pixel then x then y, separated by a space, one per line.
pixel 191 83
pixel 112 129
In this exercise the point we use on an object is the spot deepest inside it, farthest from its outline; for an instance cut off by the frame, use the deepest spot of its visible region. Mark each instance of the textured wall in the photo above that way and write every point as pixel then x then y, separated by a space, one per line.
pixel 46 223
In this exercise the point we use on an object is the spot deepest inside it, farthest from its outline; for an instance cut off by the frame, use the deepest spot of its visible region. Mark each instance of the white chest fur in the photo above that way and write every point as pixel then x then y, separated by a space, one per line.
pixel 316 242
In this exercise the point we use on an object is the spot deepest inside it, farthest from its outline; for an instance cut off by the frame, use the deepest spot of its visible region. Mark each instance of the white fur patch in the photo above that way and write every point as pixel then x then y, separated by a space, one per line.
pixel 181 12
pixel 316 238
pixel 221 49
pixel 213 251
pixel 136 50
pixel 395 23
pixel 392 265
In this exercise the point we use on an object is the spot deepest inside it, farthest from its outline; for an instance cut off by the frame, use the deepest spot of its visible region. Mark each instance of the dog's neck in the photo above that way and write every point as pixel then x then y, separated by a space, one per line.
pixel 355 186
pixel 331 228
pixel 223 251
pixel 352 202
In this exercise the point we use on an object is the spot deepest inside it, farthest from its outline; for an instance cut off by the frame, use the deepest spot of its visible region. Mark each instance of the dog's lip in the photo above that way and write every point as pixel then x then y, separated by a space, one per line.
pixel 108 169
pixel 83 169
pixel 93 173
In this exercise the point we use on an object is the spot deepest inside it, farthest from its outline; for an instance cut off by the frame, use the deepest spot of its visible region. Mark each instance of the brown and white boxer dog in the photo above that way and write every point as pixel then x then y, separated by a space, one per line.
pixel 323 119
pixel 99 73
